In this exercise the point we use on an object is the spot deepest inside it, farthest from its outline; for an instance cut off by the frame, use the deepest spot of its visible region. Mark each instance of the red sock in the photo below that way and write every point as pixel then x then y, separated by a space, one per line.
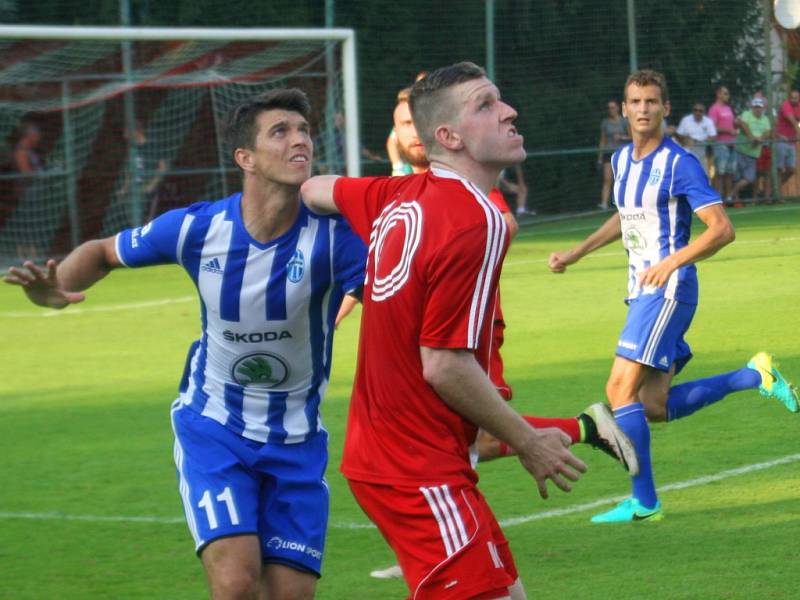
pixel 568 426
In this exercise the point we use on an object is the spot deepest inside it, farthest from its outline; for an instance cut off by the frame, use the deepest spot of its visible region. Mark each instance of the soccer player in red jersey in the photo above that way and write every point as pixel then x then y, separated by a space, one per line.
pixel 596 425
pixel 436 245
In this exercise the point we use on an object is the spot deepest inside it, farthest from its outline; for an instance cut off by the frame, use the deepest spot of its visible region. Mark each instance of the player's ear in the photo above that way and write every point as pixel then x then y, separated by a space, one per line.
pixel 448 138
pixel 624 109
pixel 667 108
pixel 244 158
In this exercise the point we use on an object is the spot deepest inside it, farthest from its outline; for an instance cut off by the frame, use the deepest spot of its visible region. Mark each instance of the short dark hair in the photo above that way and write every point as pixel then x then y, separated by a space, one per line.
pixel 647 77
pixel 428 108
pixel 241 129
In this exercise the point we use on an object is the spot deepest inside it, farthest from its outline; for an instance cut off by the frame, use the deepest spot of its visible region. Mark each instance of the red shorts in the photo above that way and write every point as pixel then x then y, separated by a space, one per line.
pixel 764 161
pixel 447 541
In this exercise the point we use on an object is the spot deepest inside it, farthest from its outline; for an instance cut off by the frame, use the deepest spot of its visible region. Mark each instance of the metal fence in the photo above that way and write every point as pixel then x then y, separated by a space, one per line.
pixel 559 62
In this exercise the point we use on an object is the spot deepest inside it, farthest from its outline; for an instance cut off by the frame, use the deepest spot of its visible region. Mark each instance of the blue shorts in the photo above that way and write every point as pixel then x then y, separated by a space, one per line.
pixel 746 167
pixel 786 155
pixel 234 486
pixel 653 332
pixel 725 159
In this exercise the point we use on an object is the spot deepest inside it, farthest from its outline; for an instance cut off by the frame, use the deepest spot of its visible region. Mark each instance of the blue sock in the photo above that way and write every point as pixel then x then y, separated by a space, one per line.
pixel 632 421
pixel 689 397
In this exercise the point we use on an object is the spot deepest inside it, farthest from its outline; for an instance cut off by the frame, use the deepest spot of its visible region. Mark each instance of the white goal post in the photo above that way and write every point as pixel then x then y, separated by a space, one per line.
pixel 346 36
pixel 88 88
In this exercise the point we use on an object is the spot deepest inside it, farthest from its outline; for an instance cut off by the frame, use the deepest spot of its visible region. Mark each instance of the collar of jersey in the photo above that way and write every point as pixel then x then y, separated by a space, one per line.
pixel 653 153
pixel 236 212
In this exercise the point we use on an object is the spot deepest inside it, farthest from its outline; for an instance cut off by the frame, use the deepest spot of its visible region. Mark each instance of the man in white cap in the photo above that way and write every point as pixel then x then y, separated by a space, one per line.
pixel 754 131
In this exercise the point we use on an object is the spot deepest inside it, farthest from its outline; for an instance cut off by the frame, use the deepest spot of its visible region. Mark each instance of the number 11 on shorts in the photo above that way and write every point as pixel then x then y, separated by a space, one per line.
pixel 227 497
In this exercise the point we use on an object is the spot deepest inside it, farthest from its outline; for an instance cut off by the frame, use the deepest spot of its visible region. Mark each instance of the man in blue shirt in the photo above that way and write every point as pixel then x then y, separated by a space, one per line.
pixel 250 447
pixel 657 187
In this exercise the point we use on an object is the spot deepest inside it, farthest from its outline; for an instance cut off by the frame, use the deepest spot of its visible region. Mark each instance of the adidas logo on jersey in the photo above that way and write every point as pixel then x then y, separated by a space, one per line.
pixel 664 361
pixel 212 266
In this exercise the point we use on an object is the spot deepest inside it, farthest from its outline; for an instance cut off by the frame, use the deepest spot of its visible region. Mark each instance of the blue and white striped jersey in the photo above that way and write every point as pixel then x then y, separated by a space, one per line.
pixel 263 361
pixel 655 197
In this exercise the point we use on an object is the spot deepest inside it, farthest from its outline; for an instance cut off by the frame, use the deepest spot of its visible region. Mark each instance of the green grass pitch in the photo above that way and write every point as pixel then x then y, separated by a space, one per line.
pixel 89 506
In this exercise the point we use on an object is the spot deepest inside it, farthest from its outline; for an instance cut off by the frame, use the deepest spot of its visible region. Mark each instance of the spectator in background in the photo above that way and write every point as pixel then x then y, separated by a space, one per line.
pixel 754 131
pixel 26 150
pixel 613 134
pixel 695 131
pixel 150 168
pixel 787 126
pixel 26 162
pixel 512 182
pixel 724 120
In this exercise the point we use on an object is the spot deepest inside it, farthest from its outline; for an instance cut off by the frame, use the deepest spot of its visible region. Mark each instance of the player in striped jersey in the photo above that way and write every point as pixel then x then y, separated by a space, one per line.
pixel 250 447
pixel 657 186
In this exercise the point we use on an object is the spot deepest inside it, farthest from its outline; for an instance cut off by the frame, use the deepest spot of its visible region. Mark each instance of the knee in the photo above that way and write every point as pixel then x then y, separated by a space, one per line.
pixel 299 591
pixel 487 445
pixel 618 392
pixel 655 413
pixel 236 584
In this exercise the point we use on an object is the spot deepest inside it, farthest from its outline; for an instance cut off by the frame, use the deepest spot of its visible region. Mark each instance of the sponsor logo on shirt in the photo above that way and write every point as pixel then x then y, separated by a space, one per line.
pixel 664 361
pixel 639 216
pixel 135 237
pixel 296 266
pixel 278 543
pixel 212 266
pixel 655 177
pixel 627 345
pixel 255 337
pixel 260 369
pixel 634 241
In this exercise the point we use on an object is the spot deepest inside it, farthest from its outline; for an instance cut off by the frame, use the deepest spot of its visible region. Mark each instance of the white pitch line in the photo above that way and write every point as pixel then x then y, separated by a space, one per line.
pixel 92 309
pixel 509 522
pixel 680 485
pixel 151 303
pixel 513 263
pixel 54 516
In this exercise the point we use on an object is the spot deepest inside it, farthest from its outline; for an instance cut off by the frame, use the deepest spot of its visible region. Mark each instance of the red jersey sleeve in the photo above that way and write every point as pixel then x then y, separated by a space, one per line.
pixel 496 197
pixel 462 280
pixel 361 199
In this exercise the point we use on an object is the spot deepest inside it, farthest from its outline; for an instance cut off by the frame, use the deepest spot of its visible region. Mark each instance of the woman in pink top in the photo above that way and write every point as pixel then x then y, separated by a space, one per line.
pixel 724 156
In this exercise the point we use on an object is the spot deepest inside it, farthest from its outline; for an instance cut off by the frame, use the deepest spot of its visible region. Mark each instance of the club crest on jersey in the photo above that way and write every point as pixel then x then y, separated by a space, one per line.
pixel 260 369
pixel 634 241
pixel 296 266
pixel 655 177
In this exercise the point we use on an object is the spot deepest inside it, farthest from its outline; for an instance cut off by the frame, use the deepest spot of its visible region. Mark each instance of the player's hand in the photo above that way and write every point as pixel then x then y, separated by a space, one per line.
pixel 559 261
pixel 658 274
pixel 546 456
pixel 41 285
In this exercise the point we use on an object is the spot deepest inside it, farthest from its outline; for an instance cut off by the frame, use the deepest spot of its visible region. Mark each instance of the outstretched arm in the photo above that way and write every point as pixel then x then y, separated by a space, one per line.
pixel 719 232
pixel 317 193
pixel 608 232
pixel 458 379
pixel 56 286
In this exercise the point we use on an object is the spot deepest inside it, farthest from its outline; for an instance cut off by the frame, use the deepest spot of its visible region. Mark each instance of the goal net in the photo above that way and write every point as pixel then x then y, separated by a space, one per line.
pixel 105 128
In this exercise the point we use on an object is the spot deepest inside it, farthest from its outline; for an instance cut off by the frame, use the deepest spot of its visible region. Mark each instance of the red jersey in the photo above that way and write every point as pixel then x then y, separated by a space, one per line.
pixel 496 197
pixel 436 246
